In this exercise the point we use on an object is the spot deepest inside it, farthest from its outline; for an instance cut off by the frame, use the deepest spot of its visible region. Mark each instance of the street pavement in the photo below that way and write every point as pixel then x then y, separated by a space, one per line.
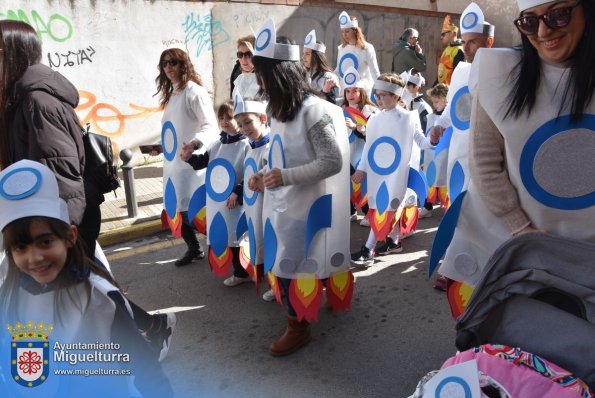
pixel 399 327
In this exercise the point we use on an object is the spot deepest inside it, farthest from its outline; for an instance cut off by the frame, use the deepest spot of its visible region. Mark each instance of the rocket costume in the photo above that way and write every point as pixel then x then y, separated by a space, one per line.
pixel 317 83
pixel 363 60
pixel 306 221
pixel 188 115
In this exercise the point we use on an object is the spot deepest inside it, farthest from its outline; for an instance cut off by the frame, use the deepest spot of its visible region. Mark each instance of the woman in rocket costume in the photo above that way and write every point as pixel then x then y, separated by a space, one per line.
pixel 531 132
pixel 188 115
pixel 305 214
pixel 357 52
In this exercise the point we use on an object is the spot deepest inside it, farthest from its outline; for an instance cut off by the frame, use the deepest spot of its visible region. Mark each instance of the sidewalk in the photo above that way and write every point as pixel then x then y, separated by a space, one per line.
pixel 116 226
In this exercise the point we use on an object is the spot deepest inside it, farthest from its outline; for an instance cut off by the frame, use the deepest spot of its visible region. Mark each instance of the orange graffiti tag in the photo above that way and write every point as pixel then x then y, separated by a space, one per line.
pixel 105 118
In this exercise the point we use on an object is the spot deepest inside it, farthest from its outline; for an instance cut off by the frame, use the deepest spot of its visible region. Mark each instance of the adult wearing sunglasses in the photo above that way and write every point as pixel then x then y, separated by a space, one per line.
pixel 187 115
pixel 245 83
pixel 531 144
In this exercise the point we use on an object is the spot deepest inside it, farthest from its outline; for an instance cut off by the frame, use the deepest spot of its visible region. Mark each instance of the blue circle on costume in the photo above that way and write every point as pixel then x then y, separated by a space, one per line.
pixel 168 127
pixel 250 163
pixel 459 123
pixel 343 20
pixel 276 145
pixel 372 161
pixel 220 196
pixel 529 152
pixel 470 20
pixel 344 58
pixel 259 45
pixel 350 78
pixel 308 39
pixel 27 192
pixel 453 379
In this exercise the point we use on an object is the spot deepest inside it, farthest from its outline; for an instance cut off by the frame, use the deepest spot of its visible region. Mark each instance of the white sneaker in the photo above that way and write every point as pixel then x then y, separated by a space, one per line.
pixel 425 213
pixel 364 222
pixel 234 281
pixel 353 217
pixel 269 295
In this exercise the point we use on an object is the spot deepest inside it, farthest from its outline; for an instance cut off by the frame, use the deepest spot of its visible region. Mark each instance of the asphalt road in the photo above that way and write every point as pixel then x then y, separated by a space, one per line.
pixel 399 327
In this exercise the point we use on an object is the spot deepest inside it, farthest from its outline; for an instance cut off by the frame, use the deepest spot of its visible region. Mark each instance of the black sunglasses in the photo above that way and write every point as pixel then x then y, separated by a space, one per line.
pixel 171 62
pixel 553 19
pixel 242 55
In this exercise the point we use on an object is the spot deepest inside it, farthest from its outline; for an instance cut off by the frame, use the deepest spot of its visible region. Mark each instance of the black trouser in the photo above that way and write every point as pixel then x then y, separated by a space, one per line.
pixel 188 234
pixel 238 270
pixel 91 222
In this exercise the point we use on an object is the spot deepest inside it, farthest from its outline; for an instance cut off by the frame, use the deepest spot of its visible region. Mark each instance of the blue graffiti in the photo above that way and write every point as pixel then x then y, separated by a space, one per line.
pixel 204 32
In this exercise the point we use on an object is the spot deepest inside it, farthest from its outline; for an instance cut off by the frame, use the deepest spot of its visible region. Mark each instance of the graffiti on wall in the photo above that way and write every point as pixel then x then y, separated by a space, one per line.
pixel 106 118
pixel 58 59
pixel 204 32
pixel 253 19
pixel 55 27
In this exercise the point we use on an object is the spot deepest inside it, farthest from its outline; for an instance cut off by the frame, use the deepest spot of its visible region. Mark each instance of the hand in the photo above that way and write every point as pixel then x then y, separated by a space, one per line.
pixel 153 153
pixel 434 137
pixel 328 86
pixel 418 49
pixel 350 124
pixel 361 129
pixel 358 176
pixel 186 151
pixel 255 183
pixel 437 131
pixel 273 179
pixel 232 201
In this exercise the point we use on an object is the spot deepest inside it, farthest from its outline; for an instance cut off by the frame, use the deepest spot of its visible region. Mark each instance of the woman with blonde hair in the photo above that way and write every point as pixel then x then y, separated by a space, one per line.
pixel 245 83
pixel 356 51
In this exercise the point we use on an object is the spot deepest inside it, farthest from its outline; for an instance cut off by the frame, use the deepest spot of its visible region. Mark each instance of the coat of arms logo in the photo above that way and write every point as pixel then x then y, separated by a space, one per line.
pixel 30 353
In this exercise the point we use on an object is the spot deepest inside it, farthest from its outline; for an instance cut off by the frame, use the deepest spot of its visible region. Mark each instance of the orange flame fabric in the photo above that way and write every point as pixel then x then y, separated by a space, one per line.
pixel 381 224
pixel 220 265
pixel 356 195
pixel 305 294
pixel 200 221
pixel 245 259
pixel 458 294
pixel 408 220
pixel 174 225
pixel 339 290
pixel 443 197
pixel 276 286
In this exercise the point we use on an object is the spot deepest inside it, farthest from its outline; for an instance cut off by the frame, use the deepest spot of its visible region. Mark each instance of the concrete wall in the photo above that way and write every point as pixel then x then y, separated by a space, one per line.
pixel 110 49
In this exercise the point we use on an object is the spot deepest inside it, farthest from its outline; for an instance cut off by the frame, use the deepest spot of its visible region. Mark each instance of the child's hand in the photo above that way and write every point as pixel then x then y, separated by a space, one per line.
pixel 328 86
pixel 153 153
pixel 187 150
pixel 273 179
pixel 350 124
pixel 358 176
pixel 255 183
pixel 232 201
pixel 361 129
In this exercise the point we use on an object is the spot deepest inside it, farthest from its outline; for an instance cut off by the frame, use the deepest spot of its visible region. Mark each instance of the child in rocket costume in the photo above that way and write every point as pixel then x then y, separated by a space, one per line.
pixel 226 220
pixel 391 136
pixel 356 52
pixel 53 294
pixel 357 108
pixel 252 121
pixel 305 212
pixel 553 194
pixel 319 72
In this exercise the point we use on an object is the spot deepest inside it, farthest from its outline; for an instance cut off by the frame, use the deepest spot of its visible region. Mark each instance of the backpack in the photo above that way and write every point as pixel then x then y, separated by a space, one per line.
pixel 100 169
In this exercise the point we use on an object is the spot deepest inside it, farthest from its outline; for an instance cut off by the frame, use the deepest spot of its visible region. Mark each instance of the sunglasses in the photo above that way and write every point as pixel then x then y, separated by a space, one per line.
pixel 553 19
pixel 444 34
pixel 242 54
pixel 170 62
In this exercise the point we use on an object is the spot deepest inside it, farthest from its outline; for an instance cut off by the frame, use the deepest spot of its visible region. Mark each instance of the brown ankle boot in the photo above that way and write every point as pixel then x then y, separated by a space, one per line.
pixel 296 335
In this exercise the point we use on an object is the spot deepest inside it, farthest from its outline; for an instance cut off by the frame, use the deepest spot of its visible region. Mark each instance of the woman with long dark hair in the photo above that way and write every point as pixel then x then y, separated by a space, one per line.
pixel 188 115
pixel 305 214
pixel 531 137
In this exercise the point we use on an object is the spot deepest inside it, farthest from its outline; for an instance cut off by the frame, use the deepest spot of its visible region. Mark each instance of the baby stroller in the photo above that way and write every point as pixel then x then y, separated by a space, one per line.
pixel 530 323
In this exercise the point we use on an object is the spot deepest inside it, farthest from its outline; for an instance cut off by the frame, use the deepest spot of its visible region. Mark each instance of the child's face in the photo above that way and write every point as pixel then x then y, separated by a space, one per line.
pixel 352 95
pixel 45 256
pixel 438 103
pixel 413 89
pixel 251 125
pixel 386 100
pixel 229 125
pixel 307 57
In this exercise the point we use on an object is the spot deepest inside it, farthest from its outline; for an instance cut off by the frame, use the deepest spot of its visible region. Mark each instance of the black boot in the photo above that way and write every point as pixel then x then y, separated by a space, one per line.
pixel 194 250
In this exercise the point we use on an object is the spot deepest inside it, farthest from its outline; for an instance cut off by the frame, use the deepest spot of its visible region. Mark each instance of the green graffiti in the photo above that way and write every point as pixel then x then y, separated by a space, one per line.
pixel 57 27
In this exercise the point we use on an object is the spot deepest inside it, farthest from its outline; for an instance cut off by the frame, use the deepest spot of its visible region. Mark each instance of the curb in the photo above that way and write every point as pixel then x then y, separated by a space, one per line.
pixel 125 234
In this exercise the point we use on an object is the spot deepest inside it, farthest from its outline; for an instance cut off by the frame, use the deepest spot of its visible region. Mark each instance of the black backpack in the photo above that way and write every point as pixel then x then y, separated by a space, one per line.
pixel 100 169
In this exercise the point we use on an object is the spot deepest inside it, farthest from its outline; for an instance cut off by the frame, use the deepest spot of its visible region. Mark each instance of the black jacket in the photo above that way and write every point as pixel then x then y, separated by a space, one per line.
pixel 43 126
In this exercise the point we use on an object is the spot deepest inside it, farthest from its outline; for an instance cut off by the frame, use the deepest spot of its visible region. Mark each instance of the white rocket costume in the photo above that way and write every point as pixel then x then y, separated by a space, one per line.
pixel 89 309
pixel 306 225
pixel 255 160
pixel 318 82
pixel 363 60
pixel 435 160
pixel 555 189
pixel 188 115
